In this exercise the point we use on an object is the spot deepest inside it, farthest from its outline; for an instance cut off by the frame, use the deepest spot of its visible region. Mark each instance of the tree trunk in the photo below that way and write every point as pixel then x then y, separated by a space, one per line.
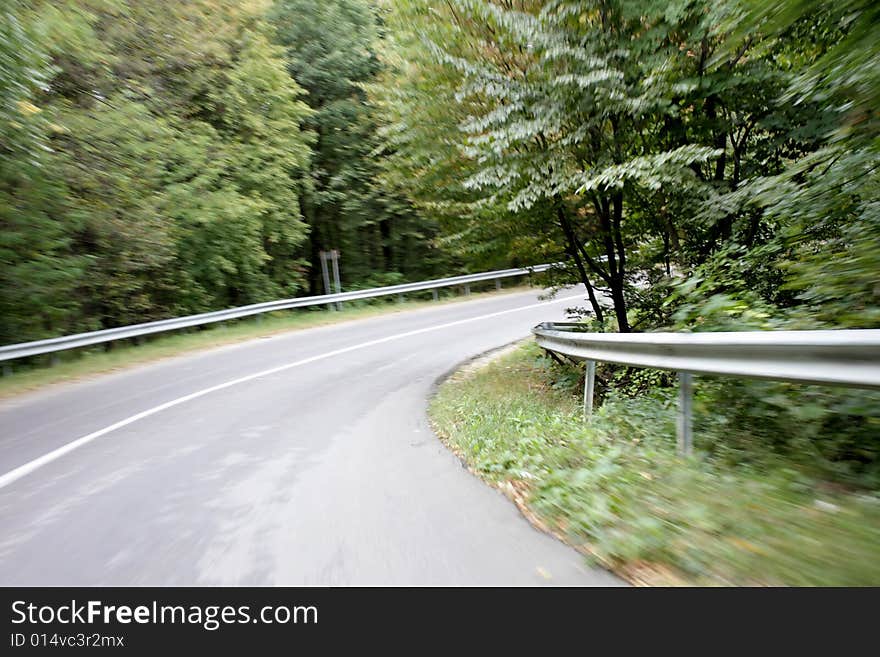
pixel 571 247
pixel 610 216
pixel 387 254
pixel 620 306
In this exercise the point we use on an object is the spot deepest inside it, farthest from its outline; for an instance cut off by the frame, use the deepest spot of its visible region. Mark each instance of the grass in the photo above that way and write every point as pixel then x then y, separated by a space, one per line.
pixel 82 363
pixel 615 488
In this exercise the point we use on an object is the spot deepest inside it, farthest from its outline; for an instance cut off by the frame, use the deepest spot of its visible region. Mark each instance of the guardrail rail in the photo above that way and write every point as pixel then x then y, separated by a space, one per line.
pixel 50 345
pixel 830 357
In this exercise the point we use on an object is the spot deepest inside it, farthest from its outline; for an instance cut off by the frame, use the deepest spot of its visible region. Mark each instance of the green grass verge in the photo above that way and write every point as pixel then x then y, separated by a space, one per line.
pixel 82 363
pixel 615 489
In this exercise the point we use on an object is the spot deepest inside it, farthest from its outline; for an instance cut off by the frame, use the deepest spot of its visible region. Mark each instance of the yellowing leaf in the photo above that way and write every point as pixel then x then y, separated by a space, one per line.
pixel 28 108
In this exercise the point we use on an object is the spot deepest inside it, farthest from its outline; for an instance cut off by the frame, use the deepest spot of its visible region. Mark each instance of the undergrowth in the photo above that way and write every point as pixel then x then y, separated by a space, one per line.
pixel 754 506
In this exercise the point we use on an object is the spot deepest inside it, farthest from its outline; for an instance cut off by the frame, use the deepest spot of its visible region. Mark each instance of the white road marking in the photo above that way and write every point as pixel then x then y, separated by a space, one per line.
pixel 55 454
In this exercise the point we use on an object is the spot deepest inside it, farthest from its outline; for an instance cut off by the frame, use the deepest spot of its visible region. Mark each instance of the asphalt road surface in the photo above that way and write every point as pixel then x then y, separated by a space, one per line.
pixel 301 459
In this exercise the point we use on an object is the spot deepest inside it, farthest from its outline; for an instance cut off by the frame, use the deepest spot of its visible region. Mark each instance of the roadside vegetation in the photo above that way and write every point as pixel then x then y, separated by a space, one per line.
pixel 706 166
pixel 756 504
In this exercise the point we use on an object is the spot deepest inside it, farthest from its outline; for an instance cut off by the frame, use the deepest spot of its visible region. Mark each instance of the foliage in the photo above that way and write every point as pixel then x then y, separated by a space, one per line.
pixel 38 271
pixel 610 134
pixel 738 513
pixel 846 72
pixel 331 49
pixel 717 152
pixel 701 165
pixel 162 159
pixel 164 170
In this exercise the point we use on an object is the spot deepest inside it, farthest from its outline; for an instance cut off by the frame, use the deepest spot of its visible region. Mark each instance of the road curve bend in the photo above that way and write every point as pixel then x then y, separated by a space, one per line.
pixel 304 458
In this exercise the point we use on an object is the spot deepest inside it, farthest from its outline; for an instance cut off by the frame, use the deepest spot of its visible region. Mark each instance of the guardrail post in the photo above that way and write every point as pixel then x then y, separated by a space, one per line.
pixel 685 412
pixel 467 290
pixel 497 283
pixel 435 294
pixel 399 298
pixel 589 388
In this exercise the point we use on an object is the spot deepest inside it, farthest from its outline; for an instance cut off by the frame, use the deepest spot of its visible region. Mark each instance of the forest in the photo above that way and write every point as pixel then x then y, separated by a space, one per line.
pixel 166 158
pixel 703 165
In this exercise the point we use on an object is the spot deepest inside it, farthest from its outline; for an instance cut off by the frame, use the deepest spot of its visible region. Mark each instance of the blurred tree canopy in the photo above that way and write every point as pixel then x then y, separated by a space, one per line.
pixel 331 49
pixel 707 165
pixel 169 153
pixel 169 158
pixel 725 152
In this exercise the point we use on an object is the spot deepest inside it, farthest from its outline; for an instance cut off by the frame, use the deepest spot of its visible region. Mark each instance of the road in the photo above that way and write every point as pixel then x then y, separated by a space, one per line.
pixel 304 458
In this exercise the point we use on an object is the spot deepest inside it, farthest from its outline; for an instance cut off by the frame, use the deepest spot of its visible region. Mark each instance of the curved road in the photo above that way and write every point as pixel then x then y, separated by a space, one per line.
pixel 300 459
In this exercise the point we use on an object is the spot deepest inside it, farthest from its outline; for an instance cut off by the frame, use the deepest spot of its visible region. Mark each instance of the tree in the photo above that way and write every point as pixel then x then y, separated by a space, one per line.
pixel 171 136
pixel 559 122
pixel 331 48
pixel 38 271
pixel 626 135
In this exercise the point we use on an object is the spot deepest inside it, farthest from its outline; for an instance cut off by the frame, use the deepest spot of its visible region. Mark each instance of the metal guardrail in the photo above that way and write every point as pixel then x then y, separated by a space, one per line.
pixel 836 357
pixel 50 345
